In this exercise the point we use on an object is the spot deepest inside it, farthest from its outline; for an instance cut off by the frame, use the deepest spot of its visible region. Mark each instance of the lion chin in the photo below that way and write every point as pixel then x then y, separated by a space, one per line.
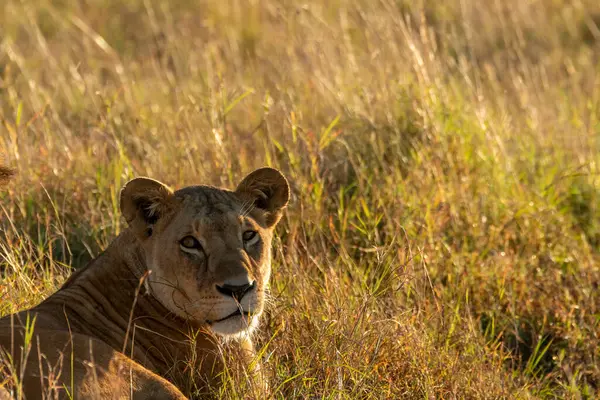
pixel 236 327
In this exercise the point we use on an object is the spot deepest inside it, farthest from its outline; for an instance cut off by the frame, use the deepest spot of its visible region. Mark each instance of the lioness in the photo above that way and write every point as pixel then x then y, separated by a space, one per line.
pixel 150 314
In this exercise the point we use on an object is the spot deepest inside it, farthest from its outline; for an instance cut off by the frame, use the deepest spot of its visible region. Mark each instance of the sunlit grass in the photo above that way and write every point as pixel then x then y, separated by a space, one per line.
pixel 443 235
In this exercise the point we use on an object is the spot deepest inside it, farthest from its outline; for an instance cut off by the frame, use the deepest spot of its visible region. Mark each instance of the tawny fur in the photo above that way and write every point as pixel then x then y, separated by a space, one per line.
pixel 142 319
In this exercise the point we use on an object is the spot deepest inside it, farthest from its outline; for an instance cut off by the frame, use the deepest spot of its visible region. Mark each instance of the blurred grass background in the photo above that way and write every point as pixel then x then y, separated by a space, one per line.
pixel 443 237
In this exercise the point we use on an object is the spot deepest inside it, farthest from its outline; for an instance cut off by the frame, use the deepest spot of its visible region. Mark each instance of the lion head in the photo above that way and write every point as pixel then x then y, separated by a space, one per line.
pixel 208 249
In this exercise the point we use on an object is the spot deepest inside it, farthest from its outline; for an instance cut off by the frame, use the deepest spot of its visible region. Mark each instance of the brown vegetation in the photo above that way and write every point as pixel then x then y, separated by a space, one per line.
pixel 444 232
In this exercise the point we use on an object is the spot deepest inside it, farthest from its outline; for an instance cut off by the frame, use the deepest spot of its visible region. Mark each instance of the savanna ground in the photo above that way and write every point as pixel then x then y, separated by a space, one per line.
pixel 443 238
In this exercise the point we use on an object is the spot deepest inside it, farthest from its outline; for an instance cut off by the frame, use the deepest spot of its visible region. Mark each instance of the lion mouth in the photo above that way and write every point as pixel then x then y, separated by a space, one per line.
pixel 236 313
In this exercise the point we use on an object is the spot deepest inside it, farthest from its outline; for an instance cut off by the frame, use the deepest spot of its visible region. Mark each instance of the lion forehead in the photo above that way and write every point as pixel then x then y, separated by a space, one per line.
pixel 212 214
pixel 209 201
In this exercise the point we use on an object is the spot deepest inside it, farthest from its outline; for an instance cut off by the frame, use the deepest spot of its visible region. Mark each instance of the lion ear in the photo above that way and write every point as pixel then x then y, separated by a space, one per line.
pixel 5 174
pixel 268 190
pixel 143 202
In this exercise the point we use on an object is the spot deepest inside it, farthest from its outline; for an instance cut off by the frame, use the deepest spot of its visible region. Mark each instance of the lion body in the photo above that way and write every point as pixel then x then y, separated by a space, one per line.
pixel 150 316
pixel 90 319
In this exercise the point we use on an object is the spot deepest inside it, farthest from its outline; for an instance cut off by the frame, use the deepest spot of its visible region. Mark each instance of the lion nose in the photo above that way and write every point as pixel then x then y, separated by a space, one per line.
pixel 236 291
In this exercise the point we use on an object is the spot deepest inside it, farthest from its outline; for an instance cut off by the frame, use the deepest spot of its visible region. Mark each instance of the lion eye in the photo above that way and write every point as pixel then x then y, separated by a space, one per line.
pixel 190 242
pixel 249 236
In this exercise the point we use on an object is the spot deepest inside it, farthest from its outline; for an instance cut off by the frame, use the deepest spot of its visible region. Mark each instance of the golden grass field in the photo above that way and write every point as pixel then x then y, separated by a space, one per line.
pixel 443 238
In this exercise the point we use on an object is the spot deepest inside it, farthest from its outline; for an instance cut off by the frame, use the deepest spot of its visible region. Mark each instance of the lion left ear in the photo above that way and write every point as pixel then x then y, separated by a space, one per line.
pixel 143 202
pixel 268 190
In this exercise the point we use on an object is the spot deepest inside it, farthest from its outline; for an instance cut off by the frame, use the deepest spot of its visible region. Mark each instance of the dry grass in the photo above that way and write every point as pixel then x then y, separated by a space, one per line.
pixel 444 234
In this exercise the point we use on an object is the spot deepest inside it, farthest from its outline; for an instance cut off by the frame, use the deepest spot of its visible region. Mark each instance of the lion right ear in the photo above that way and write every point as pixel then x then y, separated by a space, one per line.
pixel 266 189
pixel 143 202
